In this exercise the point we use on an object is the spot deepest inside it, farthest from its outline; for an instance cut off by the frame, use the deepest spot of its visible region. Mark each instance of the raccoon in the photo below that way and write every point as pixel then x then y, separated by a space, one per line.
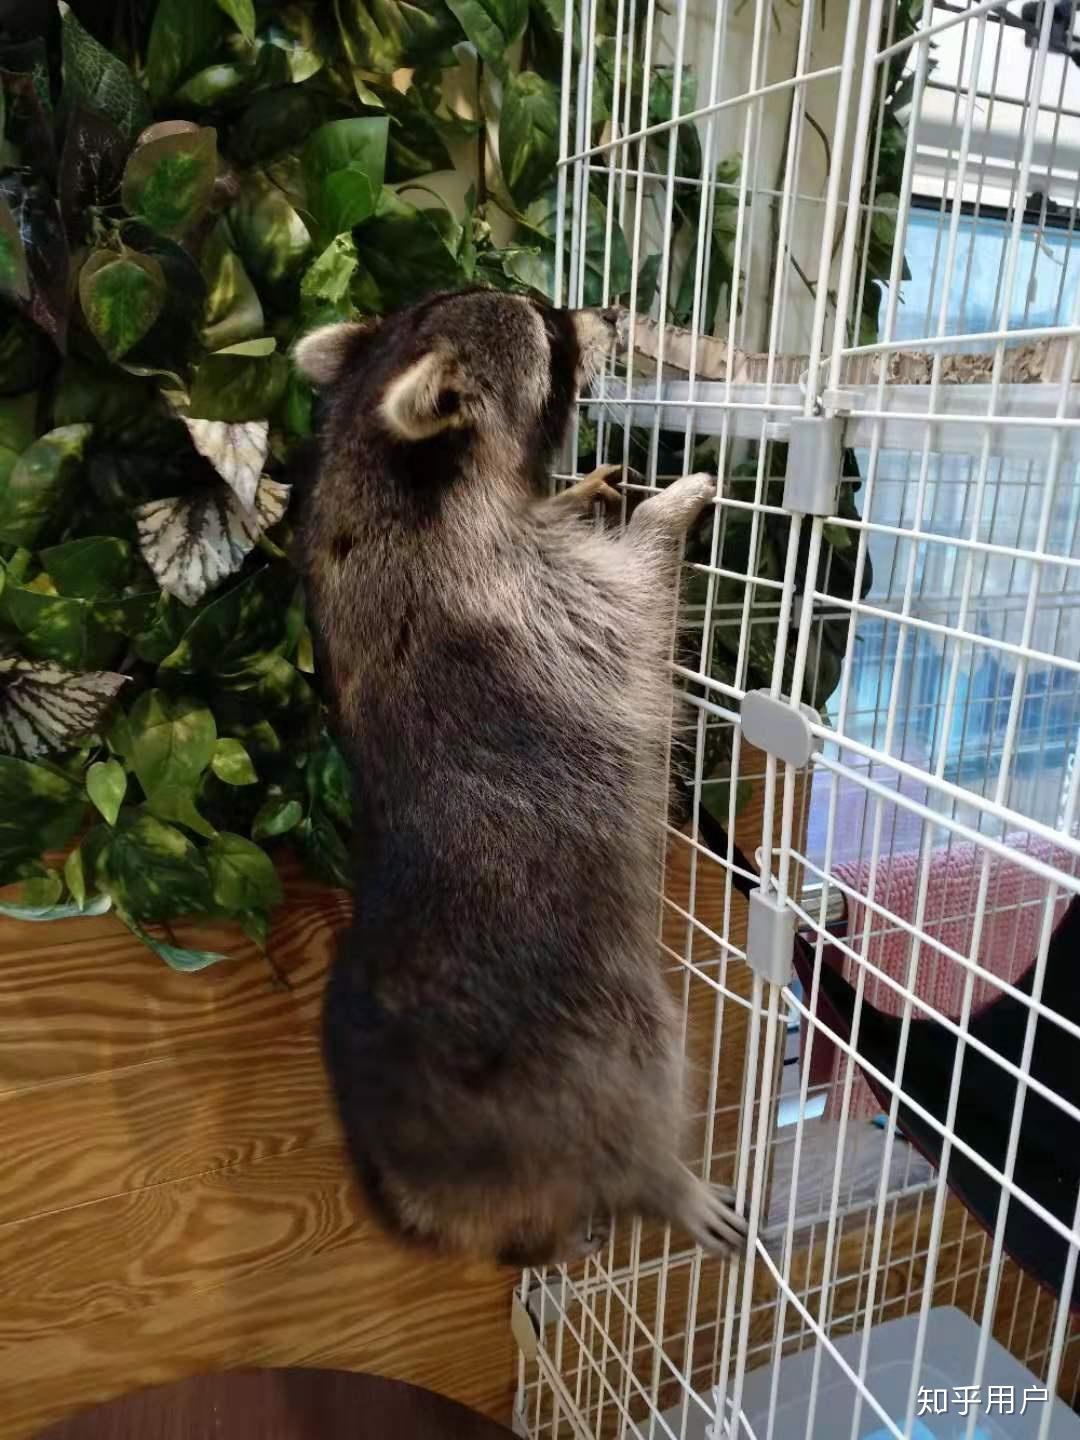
pixel 502 1045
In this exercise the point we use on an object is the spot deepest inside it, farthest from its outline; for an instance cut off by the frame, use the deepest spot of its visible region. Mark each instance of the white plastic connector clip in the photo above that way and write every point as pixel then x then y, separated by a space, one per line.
pixel 779 728
pixel 814 463
pixel 770 938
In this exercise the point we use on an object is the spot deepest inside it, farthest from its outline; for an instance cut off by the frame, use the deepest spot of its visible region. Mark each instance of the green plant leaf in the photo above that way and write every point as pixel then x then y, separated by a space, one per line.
pixel 233 310
pixel 242 14
pixel 183 38
pixel 39 483
pixel 152 870
pixel 237 629
pixel 168 182
pixel 45 708
pixel 403 254
pixel 173 742
pixel 329 782
pixel 269 236
pixel 492 26
pixel 90 568
pixel 277 816
pixel 325 288
pixel 97 905
pixel 96 78
pixel 231 763
pixel 75 879
pixel 40 810
pixel 326 853
pixel 242 875
pixel 236 387
pixel 528 135
pixel 14 273
pixel 106 784
pixel 121 297
pixel 78 634
pixel 383 36
pixel 344 163
pixel 415 144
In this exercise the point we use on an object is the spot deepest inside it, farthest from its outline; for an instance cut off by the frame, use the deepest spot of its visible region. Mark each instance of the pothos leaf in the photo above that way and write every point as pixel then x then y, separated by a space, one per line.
pixel 44 707
pixel 277 816
pixel 528 135
pixel 233 310
pixel 121 297
pixel 242 875
pixel 168 181
pixel 172 741
pixel 97 78
pixel 492 26
pixel 106 784
pixel 241 383
pixel 177 957
pixel 237 452
pixel 344 164
pixel 38 483
pixel 192 542
pixel 152 870
pixel 183 37
pixel 231 763
pixel 40 809
pixel 89 568
pixel 242 13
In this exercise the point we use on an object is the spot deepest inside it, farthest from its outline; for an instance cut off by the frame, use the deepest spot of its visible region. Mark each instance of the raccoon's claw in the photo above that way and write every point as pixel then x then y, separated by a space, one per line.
pixel 595 488
pixel 712 1220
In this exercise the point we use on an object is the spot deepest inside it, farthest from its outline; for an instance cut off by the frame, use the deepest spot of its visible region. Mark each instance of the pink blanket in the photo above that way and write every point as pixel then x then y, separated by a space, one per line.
pixel 1006 947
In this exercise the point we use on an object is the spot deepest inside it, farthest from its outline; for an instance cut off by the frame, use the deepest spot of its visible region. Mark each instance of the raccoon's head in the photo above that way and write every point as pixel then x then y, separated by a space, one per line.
pixel 499 368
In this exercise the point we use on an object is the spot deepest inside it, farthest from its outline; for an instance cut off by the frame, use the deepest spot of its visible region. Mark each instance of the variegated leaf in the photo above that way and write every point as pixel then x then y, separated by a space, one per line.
pixel 236 451
pixel 44 707
pixel 193 542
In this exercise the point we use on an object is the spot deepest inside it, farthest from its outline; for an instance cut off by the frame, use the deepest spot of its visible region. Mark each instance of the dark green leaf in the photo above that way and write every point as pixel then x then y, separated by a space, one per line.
pixel 242 13
pixel 269 236
pixel 168 182
pixel 121 297
pixel 324 849
pixel 329 782
pixel 403 255
pixel 39 483
pixel 40 810
pixel 88 569
pixel 183 38
pixel 388 35
pixel 78 634
pixel 152 870
pixel 75 879
pixel 344 164
pixel 415 146
pixel 325 288
pixel 492 26
pixel 235 387
pixel 106 784
pixel 528 135
pixel 233 310
pixel 242 875
pixel 237 628
pixel 277 816
pixel 36 215
pixel 96 78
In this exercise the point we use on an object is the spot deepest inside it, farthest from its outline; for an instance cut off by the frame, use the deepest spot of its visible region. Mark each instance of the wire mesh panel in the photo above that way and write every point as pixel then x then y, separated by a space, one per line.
pixel 844 236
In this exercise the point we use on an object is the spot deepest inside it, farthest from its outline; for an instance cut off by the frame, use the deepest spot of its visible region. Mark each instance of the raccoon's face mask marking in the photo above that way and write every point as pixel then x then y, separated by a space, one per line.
pixel 467 360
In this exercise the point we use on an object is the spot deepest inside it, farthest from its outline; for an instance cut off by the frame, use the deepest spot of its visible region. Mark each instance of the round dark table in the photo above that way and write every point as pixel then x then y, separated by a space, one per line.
pixel 280 1405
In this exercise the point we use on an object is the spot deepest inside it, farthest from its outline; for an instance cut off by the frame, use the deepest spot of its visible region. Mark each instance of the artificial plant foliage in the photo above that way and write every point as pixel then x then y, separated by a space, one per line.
pixel 186 186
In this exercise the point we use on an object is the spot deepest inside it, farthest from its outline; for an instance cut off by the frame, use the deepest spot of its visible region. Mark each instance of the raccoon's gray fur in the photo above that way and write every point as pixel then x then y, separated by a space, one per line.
pixel 501 1040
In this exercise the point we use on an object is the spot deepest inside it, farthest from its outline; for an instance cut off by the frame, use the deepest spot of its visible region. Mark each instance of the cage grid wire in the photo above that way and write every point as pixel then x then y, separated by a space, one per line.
pixel 864 213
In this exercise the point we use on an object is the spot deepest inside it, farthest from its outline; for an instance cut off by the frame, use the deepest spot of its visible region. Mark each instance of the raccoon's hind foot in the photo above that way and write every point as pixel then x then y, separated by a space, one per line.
pixel 708 1214
pixel 674 509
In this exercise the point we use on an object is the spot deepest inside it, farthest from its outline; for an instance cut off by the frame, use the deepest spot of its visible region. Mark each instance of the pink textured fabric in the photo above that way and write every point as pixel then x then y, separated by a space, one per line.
pixel 1007 943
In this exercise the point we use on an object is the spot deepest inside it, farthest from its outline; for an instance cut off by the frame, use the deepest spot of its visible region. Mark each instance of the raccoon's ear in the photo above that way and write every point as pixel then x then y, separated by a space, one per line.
pixel 423 399
pixel 323 355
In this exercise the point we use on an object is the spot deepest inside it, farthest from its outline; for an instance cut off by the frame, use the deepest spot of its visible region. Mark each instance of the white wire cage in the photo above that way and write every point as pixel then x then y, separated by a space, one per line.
pixel 861 216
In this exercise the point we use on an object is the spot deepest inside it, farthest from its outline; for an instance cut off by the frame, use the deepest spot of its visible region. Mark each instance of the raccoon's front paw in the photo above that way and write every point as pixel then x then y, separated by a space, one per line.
pixel 676 508
pixel 709 1215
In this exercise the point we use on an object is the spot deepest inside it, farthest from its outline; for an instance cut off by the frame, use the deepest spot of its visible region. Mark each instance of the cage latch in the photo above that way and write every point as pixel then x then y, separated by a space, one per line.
pixel 814 464
pixel 770 937
pixel 779 727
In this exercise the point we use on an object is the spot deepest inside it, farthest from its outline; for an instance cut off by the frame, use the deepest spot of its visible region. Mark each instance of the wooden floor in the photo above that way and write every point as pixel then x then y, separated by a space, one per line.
pixel 173 1198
